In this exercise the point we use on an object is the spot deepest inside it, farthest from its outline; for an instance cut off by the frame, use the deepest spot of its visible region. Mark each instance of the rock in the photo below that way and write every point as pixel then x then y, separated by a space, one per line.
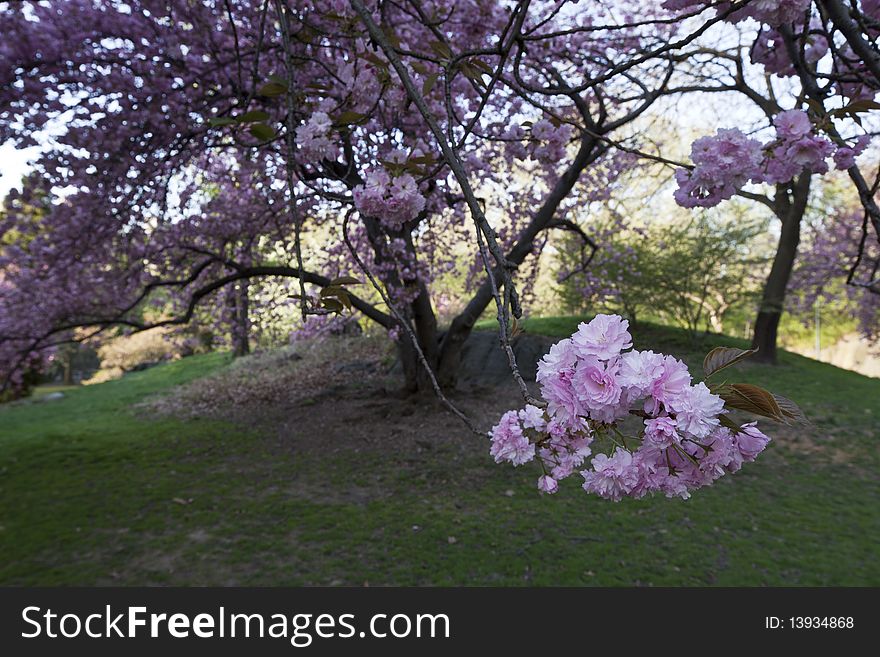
pixel 483 360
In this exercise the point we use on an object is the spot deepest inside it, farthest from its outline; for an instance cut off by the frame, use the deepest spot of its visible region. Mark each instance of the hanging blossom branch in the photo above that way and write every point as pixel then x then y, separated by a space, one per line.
pixel 593 385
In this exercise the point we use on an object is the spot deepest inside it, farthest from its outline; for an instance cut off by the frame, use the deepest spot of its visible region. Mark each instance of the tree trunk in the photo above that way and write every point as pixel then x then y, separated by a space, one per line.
pixel 240 322
pixel 68 367
pixel 791 203
pixel 416 379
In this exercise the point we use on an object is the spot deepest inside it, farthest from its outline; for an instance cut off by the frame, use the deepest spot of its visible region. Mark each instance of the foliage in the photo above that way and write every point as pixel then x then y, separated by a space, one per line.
pixel 125 353
pixel 688 273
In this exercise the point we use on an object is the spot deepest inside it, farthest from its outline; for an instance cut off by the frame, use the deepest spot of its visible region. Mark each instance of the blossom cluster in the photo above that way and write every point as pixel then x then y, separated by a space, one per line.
pixel 393 201
pixel 771 12
pixel 769 51
pixel 314 140
pixel 592 383
pixel 722 165
pixel 725 162
pixel 549 141
pixel 797 148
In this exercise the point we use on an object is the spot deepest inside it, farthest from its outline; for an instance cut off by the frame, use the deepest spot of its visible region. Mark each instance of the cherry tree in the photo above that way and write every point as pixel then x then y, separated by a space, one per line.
pixel 207 144
pixel 819 61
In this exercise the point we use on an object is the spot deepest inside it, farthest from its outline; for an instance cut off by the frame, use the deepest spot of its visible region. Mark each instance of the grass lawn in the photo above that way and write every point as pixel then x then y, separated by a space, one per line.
pixel 93 493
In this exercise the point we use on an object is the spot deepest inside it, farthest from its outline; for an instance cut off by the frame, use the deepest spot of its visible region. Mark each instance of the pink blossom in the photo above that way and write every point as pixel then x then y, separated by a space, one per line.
pixel 792 124
pixel 639 370
pixel 750 441
pixel 532 417
pixel 547 484
pixel 717 453
pixel 314 139
pixel 674 379
pixel 508 441
pixel 723 164
pixel 549 141
pixel 682 446
pixel 605 336
pixel 392 201
pixel 596 384
pixel 845 156
pixel 613 477
pixel 662 431
pixel 696 410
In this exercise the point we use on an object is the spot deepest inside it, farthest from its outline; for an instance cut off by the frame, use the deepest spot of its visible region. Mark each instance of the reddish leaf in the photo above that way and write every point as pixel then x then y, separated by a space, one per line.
pixel 753 399
pixel 790 411
pixel 721 357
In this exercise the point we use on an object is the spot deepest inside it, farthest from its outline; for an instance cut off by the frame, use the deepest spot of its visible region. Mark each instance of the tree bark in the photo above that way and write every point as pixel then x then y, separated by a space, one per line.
pixel 790 205
pixel 68 367
pixel 240 321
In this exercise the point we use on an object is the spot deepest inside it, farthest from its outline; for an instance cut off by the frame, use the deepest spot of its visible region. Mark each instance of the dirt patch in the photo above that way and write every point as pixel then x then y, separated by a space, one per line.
pixel 275 379
pixel 343 396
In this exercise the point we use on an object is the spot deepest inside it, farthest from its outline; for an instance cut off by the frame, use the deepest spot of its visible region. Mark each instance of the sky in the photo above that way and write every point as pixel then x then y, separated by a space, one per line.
pixel 13 165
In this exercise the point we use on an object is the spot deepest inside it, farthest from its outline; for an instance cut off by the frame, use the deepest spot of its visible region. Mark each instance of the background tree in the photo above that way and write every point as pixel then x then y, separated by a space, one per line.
pixel 685 271
pixel 823 56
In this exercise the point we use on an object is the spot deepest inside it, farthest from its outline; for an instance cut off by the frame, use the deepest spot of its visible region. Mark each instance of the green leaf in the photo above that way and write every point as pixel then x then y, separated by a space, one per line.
pixel 816 106
pixel 349 117
pixel 441 49
pixel 375 60
pixel 721 357
pixel 344 298
pixel 345 280
pixel 253 117
pixel 220 121
pixel 472 74
pixel 262 131
pixel 429 83
pixel 480 64
pixel 730 424
pixel 331 303
pixel 391 36
pixel 862 105
pixel 272 89
pixel 330 290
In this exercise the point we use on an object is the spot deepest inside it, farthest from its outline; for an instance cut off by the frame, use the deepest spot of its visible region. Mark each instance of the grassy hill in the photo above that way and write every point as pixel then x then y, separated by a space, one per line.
pixel 93 491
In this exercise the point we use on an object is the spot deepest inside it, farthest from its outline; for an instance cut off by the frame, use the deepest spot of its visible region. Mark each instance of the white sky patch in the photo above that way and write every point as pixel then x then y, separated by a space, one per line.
pixel 14 164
